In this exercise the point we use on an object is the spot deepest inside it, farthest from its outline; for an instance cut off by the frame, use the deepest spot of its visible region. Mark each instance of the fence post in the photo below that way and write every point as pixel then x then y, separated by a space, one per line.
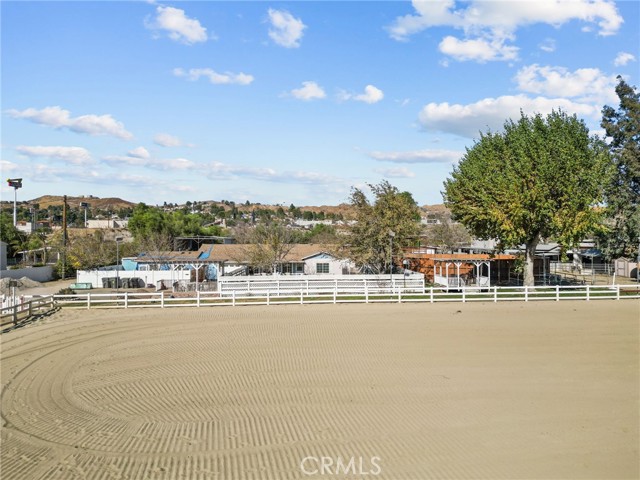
pixel 557 293
pixel 198 298
pixel 15 315
pixel 301 301
pixel 335 295
pixel 464 290
pixel 366 292
pixel 268 297
pixel 588 293
pixel 495 293
pixel 399 295
pixel 89 301
pixel 233 297
pixel 526 293
pixel 431 294
pixel 617 292
pixel 126 299
pixel 31 307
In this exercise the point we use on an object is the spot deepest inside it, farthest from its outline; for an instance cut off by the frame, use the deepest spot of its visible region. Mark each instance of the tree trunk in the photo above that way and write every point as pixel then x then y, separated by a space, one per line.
pixel 530 255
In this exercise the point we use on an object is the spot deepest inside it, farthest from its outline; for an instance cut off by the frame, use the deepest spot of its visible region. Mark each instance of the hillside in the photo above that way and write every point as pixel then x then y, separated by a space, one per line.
pixel 73 202
pixel 114 203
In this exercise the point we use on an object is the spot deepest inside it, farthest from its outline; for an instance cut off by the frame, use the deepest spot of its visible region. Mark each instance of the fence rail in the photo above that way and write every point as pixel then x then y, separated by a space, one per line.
pixel 21 312
pixel 427 295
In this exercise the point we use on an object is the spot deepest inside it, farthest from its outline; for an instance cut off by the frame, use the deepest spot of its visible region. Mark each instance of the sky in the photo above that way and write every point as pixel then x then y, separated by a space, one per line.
pixel 288 102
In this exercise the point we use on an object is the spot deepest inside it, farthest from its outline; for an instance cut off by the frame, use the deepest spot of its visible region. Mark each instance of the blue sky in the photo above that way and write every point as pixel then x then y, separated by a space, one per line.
pixel 288 102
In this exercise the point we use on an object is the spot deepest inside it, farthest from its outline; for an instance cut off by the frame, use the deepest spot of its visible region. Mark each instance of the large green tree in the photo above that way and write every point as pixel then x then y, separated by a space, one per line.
pixel 541 178
pixel 9 234
pixel 622 127
pixel 147 221
pixel 382 228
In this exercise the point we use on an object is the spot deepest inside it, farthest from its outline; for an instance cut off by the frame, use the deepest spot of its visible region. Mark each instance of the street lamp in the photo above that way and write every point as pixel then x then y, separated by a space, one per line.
pixel 84 205
pixel 391 235
pixel 118 240
pixel 16 183
pixel 405 264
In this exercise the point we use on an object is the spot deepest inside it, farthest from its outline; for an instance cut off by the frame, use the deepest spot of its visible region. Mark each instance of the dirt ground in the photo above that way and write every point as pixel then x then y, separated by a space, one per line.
pixel 411 391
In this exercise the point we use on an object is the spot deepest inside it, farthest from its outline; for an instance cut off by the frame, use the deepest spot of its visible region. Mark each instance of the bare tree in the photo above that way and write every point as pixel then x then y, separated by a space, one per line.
pixel 446 235
pixel 157 249
pixel 267 246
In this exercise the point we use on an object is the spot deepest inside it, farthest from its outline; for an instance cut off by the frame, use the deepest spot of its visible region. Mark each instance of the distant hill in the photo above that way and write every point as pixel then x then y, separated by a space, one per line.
pixel 115 203
pixel 73 202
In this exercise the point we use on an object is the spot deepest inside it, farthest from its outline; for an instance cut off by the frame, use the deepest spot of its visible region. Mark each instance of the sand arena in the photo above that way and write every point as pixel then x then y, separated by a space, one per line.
pixel 507 390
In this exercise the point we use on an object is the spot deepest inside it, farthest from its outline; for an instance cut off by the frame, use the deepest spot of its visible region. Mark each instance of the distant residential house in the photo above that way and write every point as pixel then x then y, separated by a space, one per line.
pixel 108 223
pixel 28 227
pixel 301 259
pixel 212 261
pixel 195 261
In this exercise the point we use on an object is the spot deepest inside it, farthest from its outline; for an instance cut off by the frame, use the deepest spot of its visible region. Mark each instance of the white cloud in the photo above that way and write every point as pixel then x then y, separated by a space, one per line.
pixel 179 27
pixel 623 58
pixel 166 140
pixel 371 95
pixel 397 172
pixel 478 49
pixel 218 170
pixel 57 117
pixel 172 164
pixel 548 45
pixel 491 113
pixel 286 30
pixel 152 163
pixel 486 25
pixel 417 156
pixel 214 77
pixel 8 167
pixel 308 91
pixel 72 155
pixel 583 84
pixel 139 152
pixel 119 160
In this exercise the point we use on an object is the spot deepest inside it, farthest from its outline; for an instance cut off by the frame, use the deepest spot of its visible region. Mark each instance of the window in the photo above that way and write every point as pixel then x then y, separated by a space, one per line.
pixel 322 268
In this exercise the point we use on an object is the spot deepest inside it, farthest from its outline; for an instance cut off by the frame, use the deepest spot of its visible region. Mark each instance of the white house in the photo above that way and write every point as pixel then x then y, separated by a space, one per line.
pixel 301 259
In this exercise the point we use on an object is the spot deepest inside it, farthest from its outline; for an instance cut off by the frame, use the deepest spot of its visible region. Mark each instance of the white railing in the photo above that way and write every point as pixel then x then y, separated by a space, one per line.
pixel 23 311
pixel 319 284
pixel 427 295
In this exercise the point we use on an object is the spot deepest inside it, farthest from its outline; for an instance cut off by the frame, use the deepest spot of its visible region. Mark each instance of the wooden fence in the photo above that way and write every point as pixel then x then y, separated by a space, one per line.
pixel 428 295
pixel 18 314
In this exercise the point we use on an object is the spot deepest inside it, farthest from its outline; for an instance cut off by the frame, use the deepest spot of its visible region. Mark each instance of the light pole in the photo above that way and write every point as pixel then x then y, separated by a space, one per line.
pixel 118 240
pixel 391 235
pixel 405 264
pixel 84 205
pixel 16 183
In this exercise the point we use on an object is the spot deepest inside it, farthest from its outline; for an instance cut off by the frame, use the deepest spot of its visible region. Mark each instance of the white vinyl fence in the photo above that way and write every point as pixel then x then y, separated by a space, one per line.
pixel 319 284
pixel 19 313
pixel 427 295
